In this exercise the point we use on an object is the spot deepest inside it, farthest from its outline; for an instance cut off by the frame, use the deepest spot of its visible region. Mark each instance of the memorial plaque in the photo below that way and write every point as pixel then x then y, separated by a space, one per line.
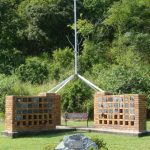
pixel 18 100
pixel 29 111
pixel 126 111
pixel 111 105
pixel 115 99
pixel 110 99
pixel 126 99
pixel 100 99
pixel 29 105
pixel 49 105
pixel 131 104
pixel 40 111
pixel 132 111
pixel 24 111
pixel 126 105
pixel 111 111
pixel 19 117
pixel 18 111
pixel 100 111
pixel 35 105
pixel 24 105
pixel 126 117
pixel 120 99
pixel 132 98
pixel 18 105
pixel 35 111
pixel 132 117
pixel 35 100
pixel 46 111
pixel 104 99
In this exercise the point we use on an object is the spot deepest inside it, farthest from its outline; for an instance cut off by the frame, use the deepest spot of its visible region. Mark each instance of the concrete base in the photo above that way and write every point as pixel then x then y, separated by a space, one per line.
pixel 31 133
pixel 108 131
pixel 118 132
pixel 61 129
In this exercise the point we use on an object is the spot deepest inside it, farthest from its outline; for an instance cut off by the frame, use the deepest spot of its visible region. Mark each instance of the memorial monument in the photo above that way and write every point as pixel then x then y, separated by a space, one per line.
pixel 24 114
pixel 76 142
pixel 125 112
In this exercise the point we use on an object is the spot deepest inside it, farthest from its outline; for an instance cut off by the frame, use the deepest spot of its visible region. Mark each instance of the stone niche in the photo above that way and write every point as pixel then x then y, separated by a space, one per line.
pixel 120 112
pixel 32 113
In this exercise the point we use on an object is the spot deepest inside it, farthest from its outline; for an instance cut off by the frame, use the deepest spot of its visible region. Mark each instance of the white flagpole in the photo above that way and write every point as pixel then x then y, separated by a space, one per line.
pixel 75 39
pixel 66 81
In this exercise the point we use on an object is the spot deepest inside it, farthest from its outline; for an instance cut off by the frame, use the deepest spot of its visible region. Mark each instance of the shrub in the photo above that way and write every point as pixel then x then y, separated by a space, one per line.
pixel 62 63
pixel 6 83
pixel 100 143
pixel 49 147
pixel 34 71
pixel 9 60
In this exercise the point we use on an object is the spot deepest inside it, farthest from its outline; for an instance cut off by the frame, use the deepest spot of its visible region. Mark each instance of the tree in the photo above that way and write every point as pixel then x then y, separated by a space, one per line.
pixel 45 27
pixel 77 97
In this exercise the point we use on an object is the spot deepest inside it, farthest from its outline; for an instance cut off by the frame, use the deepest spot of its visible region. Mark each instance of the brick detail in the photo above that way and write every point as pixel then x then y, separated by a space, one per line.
pixel 122 112
pixel 32 113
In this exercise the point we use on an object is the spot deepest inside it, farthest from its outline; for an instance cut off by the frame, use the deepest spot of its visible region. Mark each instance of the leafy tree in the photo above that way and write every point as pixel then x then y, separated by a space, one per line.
pixel 62 63
pixel 45 26
pixel 10 59
pixel 76 97
pixel 9 24
pixel 34 71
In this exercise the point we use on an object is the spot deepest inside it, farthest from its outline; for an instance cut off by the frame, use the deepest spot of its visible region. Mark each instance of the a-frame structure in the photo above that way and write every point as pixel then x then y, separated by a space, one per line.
pixel 76 74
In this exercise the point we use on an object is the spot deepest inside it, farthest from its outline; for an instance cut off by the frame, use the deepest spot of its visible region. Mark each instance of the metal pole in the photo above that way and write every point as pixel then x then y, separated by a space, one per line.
pixel 75 32
pixel 63 83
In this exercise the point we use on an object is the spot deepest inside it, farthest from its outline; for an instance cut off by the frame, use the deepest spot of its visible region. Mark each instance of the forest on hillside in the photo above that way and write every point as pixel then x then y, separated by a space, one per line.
pixel 35 52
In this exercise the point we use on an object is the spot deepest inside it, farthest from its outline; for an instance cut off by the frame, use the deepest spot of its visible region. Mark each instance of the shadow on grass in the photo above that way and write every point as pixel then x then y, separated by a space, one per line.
pixel 48 134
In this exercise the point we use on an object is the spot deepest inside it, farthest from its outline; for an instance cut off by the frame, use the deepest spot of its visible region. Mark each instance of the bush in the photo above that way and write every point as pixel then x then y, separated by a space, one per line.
pixel 50 147
pixel 9 60
pixel 6 83
pixel 62 63
pixel 100 143
pixel 34 71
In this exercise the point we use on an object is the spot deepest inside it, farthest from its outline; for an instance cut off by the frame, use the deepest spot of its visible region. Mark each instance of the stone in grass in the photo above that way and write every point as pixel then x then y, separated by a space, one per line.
pixel 76 142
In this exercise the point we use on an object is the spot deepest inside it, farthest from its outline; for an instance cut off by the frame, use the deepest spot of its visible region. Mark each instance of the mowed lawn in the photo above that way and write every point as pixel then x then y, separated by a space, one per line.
pixel 114 142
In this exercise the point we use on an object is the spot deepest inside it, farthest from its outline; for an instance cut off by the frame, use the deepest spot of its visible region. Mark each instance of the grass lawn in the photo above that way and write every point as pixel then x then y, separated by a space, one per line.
pixel 78 123
pixel 114 142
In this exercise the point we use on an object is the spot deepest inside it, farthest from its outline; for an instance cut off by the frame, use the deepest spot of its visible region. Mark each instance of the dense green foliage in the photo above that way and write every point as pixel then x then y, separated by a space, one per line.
pixel 77 97
pixel 34 71
pixel 114 49
pixel 100 143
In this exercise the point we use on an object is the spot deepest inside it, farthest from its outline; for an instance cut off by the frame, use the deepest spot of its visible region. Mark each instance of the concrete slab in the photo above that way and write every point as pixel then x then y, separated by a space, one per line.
pixel 108 131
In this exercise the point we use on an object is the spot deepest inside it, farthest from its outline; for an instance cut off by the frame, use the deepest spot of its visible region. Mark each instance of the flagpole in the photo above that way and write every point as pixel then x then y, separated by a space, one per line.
pixel 75 39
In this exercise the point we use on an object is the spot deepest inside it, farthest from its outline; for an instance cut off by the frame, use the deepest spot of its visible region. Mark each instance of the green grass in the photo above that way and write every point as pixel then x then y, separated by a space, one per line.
pixel 78 123
pixel 114 142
